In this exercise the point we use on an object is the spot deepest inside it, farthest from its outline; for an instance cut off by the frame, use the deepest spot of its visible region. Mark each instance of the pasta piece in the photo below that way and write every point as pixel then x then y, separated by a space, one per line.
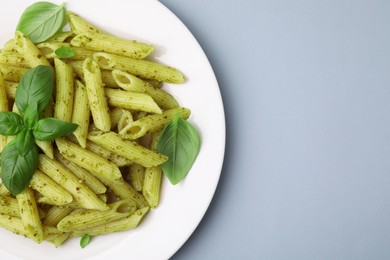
pixel 142 68
pixel 49 188
pixel 82 114
pixel 9 46
pixel 88 160
pixel 127 223
pixel 115 116
pixel 137 176
pixel 13 59
pixel 112 44
pixel 128 149
pixel 132 83
pixel 120 161
pixel 49 48
pixel 64 91
pixel 85 176
pixel 79 25
pixel 61 37
pixel 152 123
pixel 70 182
pixel 125 119
pixel 3 108
pixel 3 190
pixel 29 51
pixel 55 215
pixel 58 239
pixel 12 73
pixel 152 185
pixel 85 219
pixel 131 100
pixel 10 89
pixel 107 77
pixel 29 214
pixel 96 97
pixel 14 224
pixel 9 206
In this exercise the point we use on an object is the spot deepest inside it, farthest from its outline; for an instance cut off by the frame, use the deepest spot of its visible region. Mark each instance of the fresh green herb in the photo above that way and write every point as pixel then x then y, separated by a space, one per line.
pixel 84 241
pixel 17 170
pixel 10 123
pixel 50 128
pixel 31 116
pixel 35 88
pixel 42 20
pixel 24 141
pixel 64 52
pixel 180 142
pixel 19 158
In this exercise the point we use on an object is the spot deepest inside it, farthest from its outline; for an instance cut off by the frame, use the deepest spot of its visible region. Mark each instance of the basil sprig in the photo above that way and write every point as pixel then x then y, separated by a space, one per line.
pixel 42 20
pixel 19 159
pixel 181 143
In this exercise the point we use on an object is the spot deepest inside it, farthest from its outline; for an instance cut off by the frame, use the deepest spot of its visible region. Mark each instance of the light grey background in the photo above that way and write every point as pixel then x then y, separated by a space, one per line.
pixel 306 89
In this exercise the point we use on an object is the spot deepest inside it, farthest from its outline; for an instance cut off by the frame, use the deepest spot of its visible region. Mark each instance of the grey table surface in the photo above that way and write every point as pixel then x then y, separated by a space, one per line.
pixel 306 90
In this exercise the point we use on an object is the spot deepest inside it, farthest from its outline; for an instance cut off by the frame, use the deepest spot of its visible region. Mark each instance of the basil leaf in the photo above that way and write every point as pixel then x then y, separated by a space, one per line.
pixel 64 52
pixel 50 128
pixel 17 170
pixel 35 87
pixel 10 123
pixel 24 142
pixel 180 142
pixel 42 20
pixel 84 241
pixel 31 115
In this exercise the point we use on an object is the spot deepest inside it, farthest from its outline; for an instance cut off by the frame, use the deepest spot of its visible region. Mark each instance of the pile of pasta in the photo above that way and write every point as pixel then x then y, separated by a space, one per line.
pixel 105 176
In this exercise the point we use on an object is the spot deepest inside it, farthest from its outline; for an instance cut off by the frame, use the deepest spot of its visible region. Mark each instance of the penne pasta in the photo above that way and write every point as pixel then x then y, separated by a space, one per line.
pixel 131 83
pixel 84 176
pixel 63 107
pixel 131 100
pixel 142 68
pixel 55 215
pixel 71 183
pixel 107 77
pixel 96 97
pixel 9 206
pixel 14 59
pixel 79 25
pixel 29 51
pixel 128 149
pixel 127 223
pixel 12 73
pixel 84 219
pixel 15 225
pixel 82 114
pixel 88 160
pixel 136 176
pixel 10 89
pixel 152 185
pixel 49 188
pixel 152 123
pixel 49 48
pixel 3 190
pixel 29 214
pixel 112 44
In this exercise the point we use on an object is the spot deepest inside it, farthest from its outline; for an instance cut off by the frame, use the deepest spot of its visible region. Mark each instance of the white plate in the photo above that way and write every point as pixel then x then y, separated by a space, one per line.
pixel 182 207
